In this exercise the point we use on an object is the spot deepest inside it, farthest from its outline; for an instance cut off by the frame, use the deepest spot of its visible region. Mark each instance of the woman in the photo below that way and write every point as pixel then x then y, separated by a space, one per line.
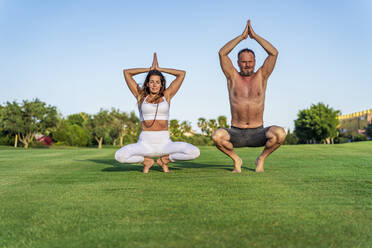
pixel 153 103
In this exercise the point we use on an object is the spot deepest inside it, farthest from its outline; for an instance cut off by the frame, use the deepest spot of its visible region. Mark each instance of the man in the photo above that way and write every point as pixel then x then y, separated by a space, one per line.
pixel 247 90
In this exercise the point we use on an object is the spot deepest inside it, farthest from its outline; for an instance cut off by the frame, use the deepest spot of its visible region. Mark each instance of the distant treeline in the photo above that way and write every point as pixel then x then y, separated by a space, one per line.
pixel 22 124
pixel 29 122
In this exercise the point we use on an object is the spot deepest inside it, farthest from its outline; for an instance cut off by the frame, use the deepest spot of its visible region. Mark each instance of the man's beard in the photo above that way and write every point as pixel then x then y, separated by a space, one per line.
pixel 246 74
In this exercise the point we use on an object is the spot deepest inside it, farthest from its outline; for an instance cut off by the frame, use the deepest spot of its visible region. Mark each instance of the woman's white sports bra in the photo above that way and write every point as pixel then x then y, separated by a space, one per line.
pixel 148 110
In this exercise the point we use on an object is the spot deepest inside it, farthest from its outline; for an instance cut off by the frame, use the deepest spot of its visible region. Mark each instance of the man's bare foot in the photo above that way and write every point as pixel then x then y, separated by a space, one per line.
pixel 147 163
pixel 163 162
pixel 237 165
pixel 260 164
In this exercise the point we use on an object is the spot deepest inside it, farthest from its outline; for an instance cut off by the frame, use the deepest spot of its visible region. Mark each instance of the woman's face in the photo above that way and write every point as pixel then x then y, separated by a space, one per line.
pixel 154 84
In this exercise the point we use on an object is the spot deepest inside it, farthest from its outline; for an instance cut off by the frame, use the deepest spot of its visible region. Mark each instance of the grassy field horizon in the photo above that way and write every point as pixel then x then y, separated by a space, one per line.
pixel 308 196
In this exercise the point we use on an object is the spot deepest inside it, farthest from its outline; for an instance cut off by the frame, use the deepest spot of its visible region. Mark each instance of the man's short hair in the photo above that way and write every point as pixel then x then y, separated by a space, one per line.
pixel 246 50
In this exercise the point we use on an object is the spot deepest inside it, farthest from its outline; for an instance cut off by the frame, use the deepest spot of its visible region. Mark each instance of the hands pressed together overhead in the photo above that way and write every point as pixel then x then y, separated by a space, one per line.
pixel 155 65
pixel 248 31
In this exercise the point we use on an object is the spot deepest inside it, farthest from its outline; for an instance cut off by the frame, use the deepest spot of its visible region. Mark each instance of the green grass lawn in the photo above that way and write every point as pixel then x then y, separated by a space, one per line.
pixel 308 196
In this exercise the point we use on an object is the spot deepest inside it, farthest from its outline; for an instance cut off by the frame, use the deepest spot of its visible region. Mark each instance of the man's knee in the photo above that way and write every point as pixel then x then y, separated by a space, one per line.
pixel 277 133
pixel 281 133
pixel 219 136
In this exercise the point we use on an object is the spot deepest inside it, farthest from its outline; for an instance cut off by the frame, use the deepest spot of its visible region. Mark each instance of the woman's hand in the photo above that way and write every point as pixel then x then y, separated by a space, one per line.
pixel 155 65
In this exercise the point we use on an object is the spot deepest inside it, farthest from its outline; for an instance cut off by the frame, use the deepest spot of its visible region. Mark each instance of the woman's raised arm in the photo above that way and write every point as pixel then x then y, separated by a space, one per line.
pixel 128 75
pixel 176 84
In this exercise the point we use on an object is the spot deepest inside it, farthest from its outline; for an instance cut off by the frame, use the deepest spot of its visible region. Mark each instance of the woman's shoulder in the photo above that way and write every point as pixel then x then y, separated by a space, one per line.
pixel 166 97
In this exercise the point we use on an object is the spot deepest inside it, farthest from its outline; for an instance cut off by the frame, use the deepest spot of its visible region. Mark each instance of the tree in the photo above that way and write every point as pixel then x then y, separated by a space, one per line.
pixel 11 119
pixel 119 125
pixel 77 119
pixel 99 126
pixel 132 129
pixel 291 138
pixel 175 128
pixel 5 136
pixel 28 119
pixel 207 127
pixel 185 127
pixel 212 126
pixel 222 122
pixel 369 130
pixel 203 125
pixel 72 134
pixel 317 124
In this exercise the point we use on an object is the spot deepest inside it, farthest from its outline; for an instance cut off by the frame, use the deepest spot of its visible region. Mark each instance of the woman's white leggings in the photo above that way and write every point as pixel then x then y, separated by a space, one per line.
pixel 156 144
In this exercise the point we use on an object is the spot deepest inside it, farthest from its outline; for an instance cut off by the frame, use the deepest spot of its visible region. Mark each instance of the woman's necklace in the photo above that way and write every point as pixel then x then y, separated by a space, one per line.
pixel 144 122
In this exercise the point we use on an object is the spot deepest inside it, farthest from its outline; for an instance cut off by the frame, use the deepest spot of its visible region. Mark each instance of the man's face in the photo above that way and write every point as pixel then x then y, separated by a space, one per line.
pixel 155 84
pixel 246 63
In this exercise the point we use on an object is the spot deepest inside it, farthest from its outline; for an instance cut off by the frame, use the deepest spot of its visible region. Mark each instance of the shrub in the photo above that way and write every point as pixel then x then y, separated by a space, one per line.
pixel 359 137
pixel 7 140
pixel 197 140
pixel 291 139
pixel 73 135
pixel 37 144
pixel 369 130
pixel 341 140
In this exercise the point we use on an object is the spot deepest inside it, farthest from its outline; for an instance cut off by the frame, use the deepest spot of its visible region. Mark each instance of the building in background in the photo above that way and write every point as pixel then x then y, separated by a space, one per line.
pixel 355 123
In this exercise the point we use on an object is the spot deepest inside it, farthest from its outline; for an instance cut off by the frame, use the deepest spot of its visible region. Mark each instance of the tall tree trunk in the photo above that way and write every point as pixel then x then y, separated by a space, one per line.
pixel 24 140
pixel 121 141
pixel 99 141
pixel 16 140
pixel 28 139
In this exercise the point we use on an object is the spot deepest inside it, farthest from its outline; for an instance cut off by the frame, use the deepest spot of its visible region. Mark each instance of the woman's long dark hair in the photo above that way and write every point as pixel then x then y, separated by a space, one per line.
pixel 145 91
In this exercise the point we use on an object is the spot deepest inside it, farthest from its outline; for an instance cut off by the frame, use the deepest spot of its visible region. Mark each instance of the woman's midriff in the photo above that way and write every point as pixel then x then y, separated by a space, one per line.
pixel 159 125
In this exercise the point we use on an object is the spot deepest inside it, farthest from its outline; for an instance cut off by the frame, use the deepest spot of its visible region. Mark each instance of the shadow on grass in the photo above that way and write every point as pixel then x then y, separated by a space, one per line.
pixel 115 166
pixel 118 167
pixel 187 164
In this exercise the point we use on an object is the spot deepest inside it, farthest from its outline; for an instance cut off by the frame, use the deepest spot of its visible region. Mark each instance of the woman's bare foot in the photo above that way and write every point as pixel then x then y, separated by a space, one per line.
pixel 163 162
pixel 237 165
pixel 260 164
pixel 147 163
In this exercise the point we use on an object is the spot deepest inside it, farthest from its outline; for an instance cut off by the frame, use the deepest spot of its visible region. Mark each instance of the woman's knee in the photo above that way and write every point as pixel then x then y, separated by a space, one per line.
pixel 195 152
pixel 122 156
pixel 191 151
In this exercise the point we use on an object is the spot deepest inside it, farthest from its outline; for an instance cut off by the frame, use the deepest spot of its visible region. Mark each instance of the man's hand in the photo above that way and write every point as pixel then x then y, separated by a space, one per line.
pixel 246 31
pixel 251 33
pixel 155 65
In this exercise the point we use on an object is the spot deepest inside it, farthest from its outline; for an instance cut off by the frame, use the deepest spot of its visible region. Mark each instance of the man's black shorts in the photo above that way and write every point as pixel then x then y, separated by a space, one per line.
pixel 243 137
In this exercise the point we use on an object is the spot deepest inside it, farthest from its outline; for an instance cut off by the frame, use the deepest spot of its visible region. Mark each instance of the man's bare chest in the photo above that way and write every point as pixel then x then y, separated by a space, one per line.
pixel 251 90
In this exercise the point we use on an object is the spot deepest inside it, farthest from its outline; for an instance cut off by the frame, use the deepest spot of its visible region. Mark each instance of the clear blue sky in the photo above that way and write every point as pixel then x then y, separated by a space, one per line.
pixel 70 54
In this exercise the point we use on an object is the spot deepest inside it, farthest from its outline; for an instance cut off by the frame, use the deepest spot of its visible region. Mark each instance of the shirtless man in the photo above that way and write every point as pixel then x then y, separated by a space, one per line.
pixel 247 90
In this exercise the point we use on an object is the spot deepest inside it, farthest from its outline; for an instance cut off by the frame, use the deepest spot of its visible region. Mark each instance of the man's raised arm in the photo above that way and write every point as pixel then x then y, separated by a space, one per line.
pixel 226 64
pixel 270 61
